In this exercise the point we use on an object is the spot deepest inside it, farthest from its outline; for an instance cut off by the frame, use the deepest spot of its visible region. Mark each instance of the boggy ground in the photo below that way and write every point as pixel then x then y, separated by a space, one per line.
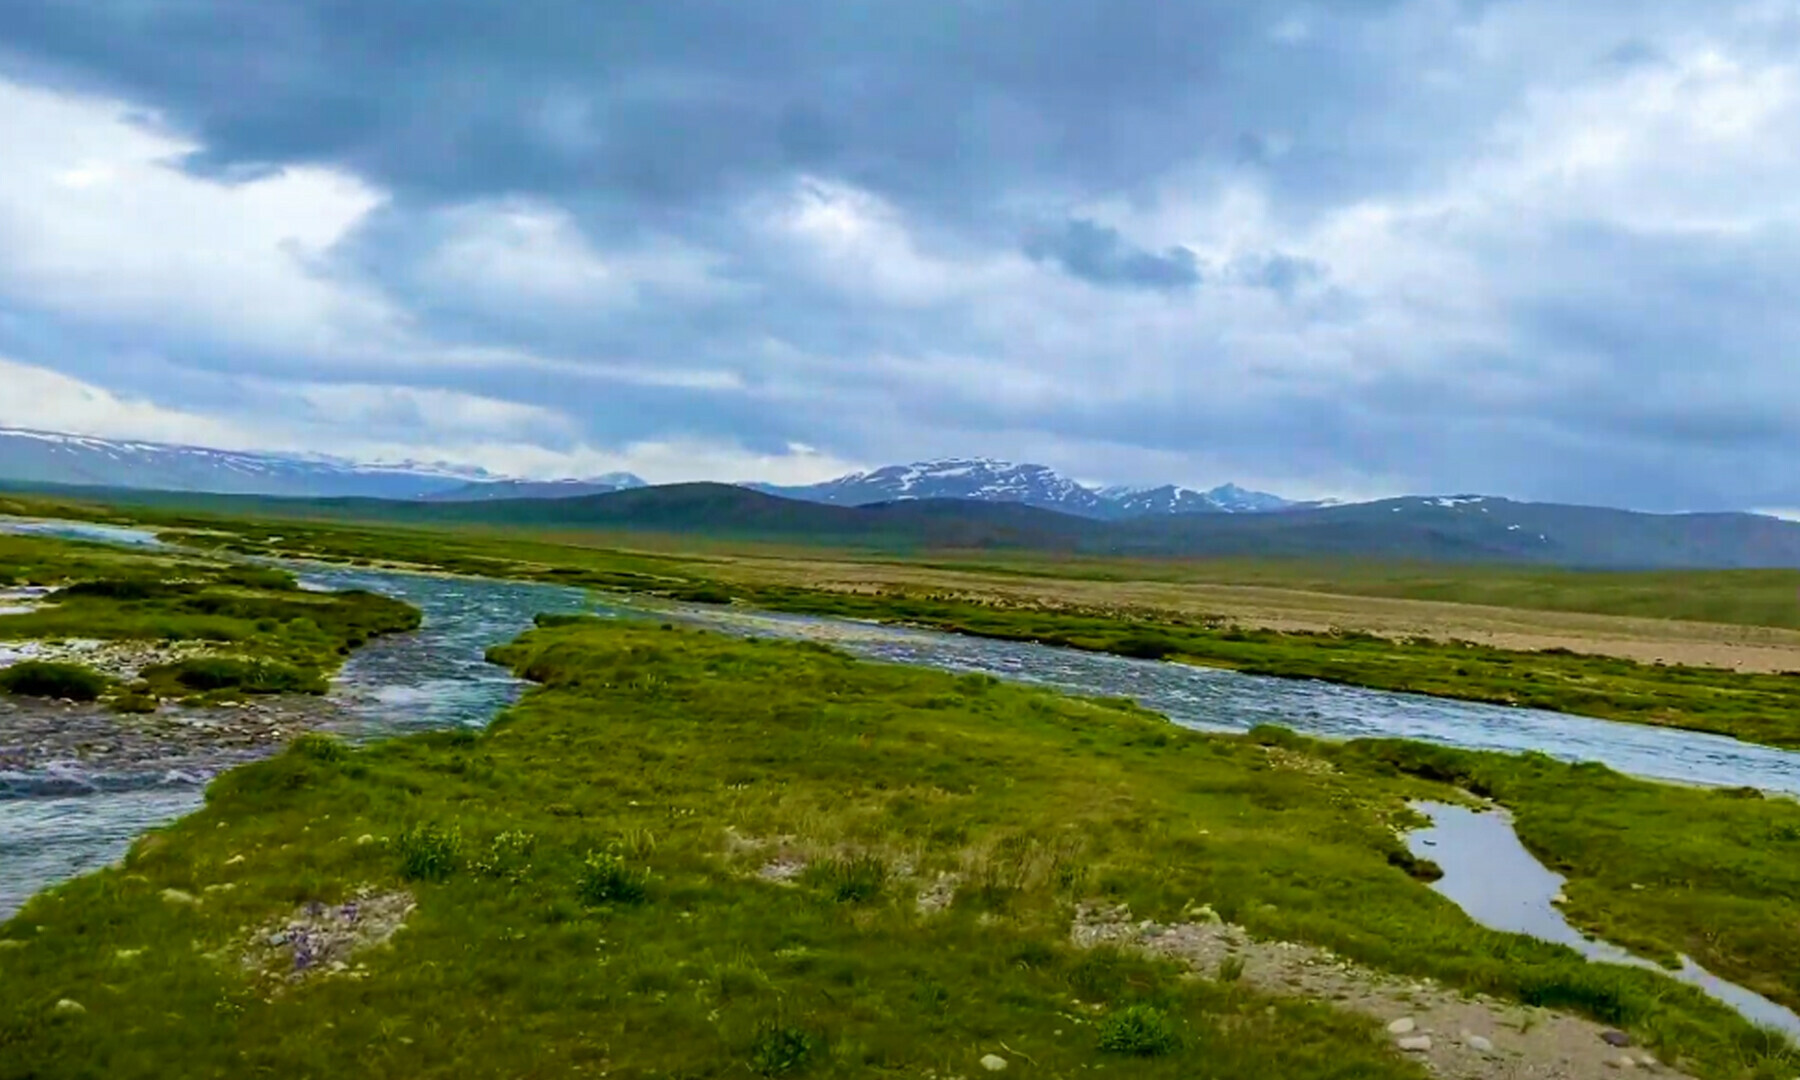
pixel 591 892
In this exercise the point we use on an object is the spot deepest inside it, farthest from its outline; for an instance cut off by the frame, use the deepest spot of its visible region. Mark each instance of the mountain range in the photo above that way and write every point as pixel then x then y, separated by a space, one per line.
pixel 930 505
pixel 43 457
pixel 985 480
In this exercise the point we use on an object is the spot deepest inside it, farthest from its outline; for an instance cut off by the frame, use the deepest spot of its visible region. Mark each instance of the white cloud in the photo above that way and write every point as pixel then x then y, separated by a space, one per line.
pixel 36 397
pixel 394 423
pixel 508 251
pixel 99 223
pixel 855 242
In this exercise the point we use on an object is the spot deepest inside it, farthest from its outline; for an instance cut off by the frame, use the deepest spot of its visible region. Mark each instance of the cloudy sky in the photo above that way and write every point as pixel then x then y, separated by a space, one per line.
pixel 1351 247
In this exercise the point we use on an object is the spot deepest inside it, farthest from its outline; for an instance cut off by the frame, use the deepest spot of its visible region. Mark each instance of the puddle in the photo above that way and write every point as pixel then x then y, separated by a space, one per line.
pixel 1489 874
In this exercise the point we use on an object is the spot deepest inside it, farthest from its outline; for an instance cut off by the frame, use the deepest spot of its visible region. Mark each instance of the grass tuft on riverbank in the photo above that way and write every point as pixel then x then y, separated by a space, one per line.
pixel 686 854
pixel 255 631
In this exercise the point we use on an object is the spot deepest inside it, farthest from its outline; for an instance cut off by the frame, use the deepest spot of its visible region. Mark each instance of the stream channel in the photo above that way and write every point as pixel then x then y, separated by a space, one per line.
pixel 59 823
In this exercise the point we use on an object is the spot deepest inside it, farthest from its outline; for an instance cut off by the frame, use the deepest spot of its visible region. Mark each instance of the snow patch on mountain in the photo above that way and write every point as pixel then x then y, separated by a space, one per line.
pixel 989 480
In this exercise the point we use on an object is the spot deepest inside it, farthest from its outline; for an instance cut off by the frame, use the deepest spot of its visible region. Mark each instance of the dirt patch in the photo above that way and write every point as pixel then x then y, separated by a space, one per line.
pixel 319 940
pixel 1458 1037
pixel 938 895
pixel 784 870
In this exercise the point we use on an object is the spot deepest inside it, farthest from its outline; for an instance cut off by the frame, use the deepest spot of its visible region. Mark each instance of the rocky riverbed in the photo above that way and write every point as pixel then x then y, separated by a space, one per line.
pixel 56 747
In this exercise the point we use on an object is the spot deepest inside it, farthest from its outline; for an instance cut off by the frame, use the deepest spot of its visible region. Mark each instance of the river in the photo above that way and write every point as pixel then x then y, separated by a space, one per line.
pixel 436 677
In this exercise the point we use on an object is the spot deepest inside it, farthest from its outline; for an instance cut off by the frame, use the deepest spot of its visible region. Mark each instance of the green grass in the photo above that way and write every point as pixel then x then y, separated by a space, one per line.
pixel 50 679
pixel 1762 708
pixel 267 635
pixel 680 763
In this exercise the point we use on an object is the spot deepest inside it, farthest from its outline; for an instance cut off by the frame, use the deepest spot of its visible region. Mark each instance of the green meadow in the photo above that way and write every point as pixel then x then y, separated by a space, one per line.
pixel 685 854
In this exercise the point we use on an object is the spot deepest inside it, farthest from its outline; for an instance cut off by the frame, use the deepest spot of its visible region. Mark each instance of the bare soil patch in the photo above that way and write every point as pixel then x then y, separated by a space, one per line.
pixel 1458 1037
pixel 322 939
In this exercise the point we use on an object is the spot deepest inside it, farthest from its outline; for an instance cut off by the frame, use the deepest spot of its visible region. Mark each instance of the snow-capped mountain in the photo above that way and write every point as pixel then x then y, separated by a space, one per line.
pixel 42 457
pixel 956 478
pixel 1172 499
pixel 1034 485
pixel 45 457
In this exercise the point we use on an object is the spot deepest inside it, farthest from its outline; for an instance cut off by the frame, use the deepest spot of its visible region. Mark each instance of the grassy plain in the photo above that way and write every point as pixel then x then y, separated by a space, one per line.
pixel 1585 643
pixel 1756 706
pixel 691 855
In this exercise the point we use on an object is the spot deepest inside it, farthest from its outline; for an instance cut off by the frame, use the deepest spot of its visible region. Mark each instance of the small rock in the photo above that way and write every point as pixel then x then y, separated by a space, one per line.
pixel 234 860
pixel 176 896
pixel 226 887
pixel 1560 898
pixel 278 938
pixel 1615 1038
pixel 1479 1044
pixel 1406 1025
pixel 994 1063
pixel 1415 1044
pixel 365 840
pixel 66 1007
pixel 127 955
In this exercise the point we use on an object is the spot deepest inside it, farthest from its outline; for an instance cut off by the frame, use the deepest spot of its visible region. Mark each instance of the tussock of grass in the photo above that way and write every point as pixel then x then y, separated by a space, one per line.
pixel 1139 1031
pixel 606 879
pixel 644 746
pixel 50 679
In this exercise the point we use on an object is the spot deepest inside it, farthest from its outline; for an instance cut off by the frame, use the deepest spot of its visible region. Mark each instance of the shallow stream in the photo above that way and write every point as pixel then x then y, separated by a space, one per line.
pixel 1492 877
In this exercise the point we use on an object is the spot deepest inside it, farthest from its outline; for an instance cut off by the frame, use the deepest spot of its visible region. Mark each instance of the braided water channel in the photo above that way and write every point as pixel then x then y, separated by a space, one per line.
pixel 62 820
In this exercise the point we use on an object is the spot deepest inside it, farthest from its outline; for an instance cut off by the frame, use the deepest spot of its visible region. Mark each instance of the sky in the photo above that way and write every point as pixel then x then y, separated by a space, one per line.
pixel 1345 249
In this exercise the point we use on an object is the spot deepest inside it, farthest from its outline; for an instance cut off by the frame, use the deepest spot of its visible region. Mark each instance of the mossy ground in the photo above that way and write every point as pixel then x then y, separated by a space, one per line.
pixel 589 897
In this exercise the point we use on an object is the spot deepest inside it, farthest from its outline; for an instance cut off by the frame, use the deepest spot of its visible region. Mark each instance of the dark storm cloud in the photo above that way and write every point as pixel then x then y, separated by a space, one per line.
pixel 1099 254
pixel 1313 241
pixel 680 102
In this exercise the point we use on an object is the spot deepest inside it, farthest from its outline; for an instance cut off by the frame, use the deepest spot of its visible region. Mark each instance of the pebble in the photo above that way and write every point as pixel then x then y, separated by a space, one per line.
pixel 994 1063
pixel 176 896
pixel 1622 1063
pixel 1615 1038
pixel 1415 1044
pixel 1479 1044
pixel 1406 1025
pixel 67 1007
